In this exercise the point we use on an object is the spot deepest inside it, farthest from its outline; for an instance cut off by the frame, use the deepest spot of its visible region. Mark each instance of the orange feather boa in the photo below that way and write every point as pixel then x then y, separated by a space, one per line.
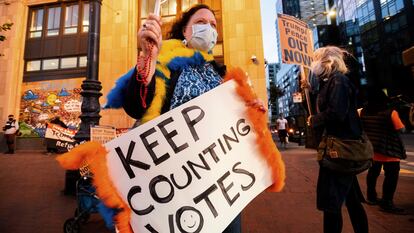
pixel 94 154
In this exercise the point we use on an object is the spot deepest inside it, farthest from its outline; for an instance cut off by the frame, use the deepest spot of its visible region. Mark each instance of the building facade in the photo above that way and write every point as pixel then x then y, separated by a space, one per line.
pixel 45 53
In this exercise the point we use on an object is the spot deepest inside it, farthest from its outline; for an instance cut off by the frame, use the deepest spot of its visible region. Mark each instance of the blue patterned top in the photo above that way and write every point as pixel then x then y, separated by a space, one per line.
pixel 194 81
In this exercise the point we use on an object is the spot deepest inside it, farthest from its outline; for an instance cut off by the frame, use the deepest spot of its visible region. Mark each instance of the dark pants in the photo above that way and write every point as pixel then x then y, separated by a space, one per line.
pixel 282 135
pixel 235 226
pixel 332 221
pixel 10 139
pixel 391 172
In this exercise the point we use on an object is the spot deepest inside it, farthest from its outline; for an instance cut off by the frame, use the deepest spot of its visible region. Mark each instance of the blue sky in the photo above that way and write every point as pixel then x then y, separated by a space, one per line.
pixel 268 11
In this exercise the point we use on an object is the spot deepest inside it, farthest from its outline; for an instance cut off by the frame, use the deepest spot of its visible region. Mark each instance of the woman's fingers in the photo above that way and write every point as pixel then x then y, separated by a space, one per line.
pixel 150 31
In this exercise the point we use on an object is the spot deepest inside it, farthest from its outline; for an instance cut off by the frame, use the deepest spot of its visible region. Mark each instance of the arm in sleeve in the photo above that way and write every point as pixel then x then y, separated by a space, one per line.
pixel 337 105
pixel 132 103
pixel 396 121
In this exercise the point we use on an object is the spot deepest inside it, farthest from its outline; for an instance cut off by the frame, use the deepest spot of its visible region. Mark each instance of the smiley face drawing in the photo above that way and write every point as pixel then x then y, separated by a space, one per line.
pixel 189 220
pixel 51 99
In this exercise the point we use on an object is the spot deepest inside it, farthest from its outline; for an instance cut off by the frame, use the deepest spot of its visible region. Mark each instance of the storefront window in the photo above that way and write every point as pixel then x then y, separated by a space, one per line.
pixel 53 21
pixel 71 19
pixel 36 23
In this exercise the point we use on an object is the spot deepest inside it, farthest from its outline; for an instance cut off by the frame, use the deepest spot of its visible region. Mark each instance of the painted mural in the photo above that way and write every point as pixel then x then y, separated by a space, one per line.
pixel 42 101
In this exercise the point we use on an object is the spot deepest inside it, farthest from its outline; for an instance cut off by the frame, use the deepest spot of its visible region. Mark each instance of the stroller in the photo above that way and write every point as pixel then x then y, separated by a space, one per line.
pixel 87 203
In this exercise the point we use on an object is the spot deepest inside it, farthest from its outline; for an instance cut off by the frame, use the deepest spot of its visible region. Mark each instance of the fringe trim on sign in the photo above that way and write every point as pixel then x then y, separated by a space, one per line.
pixel 94 154
pixel 264 139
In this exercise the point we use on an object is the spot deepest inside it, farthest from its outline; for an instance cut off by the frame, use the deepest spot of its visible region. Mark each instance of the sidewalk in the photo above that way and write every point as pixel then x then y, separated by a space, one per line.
pixel 294 209
pixel 31 199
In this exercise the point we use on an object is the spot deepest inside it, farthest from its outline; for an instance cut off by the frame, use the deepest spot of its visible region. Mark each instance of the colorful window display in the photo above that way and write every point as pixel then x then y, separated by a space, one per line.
pixel 42 101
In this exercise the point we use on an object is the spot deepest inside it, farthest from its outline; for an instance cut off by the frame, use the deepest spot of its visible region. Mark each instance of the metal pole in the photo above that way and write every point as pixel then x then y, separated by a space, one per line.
pixel 305 85
pixel 91 86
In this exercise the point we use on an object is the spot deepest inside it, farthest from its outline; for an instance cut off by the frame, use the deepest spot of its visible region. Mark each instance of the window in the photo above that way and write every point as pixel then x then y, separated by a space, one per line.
pixel 33 65
pixel 36 23
pixel 53 64
pixel 85 21
pixel 71 19
pixel 391 7
pixel 53 21
pixel 188 3
pixel 50 64
pixel 83 61
pixel 69 62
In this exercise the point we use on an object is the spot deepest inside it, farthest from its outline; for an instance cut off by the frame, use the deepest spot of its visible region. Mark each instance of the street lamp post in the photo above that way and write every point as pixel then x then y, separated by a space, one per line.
pixel 91 86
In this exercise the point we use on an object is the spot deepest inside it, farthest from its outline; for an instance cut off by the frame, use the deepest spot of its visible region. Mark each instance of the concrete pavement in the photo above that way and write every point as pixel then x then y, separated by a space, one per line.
pixel 31 199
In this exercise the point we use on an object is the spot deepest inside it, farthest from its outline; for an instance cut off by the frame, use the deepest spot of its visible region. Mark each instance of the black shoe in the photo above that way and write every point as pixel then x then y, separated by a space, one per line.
pixel 375 201
pixel 392 209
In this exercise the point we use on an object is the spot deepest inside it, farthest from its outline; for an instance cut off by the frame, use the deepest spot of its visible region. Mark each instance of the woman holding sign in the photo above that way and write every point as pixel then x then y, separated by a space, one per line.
pixel 337 114
pixel 170 73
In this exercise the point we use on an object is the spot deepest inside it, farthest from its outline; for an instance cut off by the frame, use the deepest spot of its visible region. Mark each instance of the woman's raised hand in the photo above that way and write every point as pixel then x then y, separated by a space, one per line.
pixel 150 33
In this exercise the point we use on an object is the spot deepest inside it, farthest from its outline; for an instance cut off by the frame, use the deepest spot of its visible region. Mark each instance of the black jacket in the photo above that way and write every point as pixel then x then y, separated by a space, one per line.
pixel 337 110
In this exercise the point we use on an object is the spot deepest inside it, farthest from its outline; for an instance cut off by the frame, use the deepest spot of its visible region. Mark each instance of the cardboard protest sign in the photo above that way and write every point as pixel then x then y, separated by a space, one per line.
pixel 57 132
pixel 296 41
pixel 61 138
pixel 102 134
pixel 192 169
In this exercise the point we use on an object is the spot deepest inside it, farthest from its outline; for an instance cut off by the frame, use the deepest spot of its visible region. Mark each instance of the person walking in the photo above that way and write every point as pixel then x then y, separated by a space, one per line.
pixel 10 130
pixel 171 72
pixel 337 114
pixel 282 126
pixel 382 125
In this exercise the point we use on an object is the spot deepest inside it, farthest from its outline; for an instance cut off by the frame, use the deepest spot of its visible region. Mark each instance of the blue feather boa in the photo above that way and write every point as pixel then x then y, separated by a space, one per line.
pixel 116 96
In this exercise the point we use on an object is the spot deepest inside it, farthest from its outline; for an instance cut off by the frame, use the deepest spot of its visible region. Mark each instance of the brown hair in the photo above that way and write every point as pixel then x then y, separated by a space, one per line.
pixel 180 23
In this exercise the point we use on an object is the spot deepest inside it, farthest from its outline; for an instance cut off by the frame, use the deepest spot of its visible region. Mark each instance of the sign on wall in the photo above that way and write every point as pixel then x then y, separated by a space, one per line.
pixel 296 41
pixel 193 169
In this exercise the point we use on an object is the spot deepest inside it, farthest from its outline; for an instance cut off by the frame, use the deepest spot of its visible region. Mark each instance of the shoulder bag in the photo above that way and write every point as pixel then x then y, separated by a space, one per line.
pixel 344 155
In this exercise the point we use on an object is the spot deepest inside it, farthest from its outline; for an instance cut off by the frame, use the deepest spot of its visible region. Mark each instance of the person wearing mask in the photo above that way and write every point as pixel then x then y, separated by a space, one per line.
pixel 10 130
pixel 337 114
pixel 282 126
pixel 382 125
pixel 170 73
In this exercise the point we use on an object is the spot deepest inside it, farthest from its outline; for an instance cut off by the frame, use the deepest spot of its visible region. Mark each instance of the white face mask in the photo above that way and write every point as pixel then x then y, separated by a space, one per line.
pixel 204 37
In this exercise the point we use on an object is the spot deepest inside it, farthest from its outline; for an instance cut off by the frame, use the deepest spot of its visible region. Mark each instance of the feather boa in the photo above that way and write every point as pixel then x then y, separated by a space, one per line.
pixel 174 56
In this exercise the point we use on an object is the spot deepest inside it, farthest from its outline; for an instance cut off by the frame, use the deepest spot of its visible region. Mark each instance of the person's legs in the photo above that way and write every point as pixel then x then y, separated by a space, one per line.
pixel 391 173
pixel 10 143
pixel 332 222
pixel 356 211
pixel 372 176
pixel 235 226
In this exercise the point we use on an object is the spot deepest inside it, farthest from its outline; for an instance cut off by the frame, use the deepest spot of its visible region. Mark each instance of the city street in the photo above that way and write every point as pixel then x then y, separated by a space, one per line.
pixel 31 199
